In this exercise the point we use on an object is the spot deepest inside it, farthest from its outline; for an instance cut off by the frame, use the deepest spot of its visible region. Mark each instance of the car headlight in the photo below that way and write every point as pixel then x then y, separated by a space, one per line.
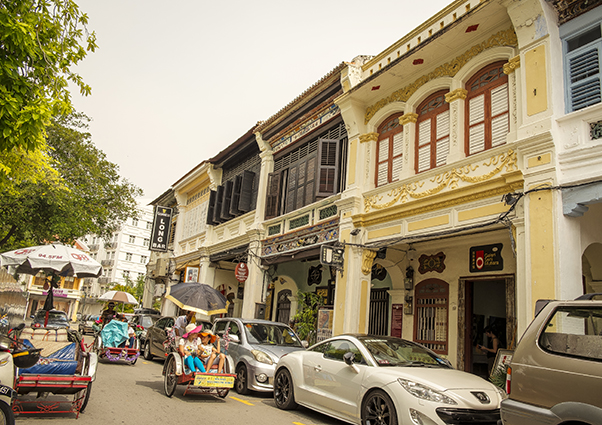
pixel 261 357
pixel 425 393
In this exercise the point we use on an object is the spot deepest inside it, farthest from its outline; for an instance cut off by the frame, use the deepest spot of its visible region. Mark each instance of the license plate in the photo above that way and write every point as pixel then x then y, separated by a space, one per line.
pixel 7 391
pixel 213 381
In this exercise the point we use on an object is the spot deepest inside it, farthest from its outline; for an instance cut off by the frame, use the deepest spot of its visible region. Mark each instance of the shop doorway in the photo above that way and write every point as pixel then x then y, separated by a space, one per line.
pixel 487 302
pixel 378 323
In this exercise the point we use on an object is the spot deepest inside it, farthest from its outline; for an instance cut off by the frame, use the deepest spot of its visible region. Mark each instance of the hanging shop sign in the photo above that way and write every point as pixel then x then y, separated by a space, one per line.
pixel 486 258
pixel 331 256
pixel 161 229
pixel 241 272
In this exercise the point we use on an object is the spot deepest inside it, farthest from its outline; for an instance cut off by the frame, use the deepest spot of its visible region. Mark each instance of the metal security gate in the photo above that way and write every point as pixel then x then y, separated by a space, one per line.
pixel 379 312
pixel 283 306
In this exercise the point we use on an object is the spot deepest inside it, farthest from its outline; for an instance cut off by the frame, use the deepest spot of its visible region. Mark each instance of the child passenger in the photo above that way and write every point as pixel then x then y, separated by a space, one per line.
pixel 189 348
pixel 209 353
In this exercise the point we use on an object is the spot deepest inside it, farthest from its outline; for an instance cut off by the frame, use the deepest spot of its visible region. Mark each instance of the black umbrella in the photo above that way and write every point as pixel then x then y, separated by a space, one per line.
pixel 197 297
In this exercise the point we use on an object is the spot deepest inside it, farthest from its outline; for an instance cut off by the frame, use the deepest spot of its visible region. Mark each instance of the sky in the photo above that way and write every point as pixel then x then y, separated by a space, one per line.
pixel 174 83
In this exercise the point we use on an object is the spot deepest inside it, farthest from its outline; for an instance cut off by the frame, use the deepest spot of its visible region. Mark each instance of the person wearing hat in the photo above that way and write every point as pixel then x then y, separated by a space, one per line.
pixel 209 353
pixel 189 348
pixel 108 313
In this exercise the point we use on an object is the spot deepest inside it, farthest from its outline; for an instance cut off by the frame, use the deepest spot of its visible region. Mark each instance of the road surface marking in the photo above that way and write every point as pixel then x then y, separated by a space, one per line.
pixel 242 401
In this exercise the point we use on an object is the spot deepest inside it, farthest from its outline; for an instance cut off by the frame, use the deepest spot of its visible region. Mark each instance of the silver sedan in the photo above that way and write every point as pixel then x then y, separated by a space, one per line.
pixel 376 380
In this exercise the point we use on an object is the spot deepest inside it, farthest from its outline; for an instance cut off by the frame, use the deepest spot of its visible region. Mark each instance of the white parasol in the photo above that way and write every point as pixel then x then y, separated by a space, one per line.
pixel 118 297
pixel 53 258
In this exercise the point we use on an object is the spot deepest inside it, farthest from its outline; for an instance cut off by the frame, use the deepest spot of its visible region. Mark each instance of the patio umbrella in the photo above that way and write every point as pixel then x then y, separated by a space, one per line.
pixel 118 297
pixel 54 258
pixel 197 297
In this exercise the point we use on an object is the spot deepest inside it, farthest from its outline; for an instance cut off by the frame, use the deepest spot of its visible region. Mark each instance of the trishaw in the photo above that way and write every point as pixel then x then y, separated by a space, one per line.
pixel 176 373
pixel 115 354
pixel 50 361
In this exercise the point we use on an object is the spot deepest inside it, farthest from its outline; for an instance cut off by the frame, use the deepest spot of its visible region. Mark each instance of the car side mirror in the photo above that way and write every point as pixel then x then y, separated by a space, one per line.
pixel 234 338
pixel 348 358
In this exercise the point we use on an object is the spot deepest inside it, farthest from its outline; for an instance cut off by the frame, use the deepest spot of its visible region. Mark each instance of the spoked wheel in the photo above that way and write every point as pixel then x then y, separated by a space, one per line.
pixel 240 384
pixel 284 394
pixel 88 390
pixel 378 409
pixel 6 414
pixel 171 379
pixel 222 393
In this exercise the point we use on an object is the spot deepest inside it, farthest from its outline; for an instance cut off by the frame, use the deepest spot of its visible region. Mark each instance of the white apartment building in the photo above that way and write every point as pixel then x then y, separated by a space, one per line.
pixel 126 255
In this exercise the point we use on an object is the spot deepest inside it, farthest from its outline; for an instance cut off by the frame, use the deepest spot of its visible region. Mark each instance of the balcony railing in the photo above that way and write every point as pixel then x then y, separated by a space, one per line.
pixel 107 263
pixel 104 280
pixel 93 247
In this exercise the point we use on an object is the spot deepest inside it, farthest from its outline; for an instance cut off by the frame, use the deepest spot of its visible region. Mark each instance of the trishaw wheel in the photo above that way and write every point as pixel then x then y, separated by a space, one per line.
pixel 171 379
pixel 6 414
pixel 223 392
pixel 240 384
pixel 86 398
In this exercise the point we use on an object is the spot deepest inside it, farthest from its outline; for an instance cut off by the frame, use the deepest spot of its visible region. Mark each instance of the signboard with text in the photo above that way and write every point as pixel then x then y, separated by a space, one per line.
pixel 486 258
pixel 161 228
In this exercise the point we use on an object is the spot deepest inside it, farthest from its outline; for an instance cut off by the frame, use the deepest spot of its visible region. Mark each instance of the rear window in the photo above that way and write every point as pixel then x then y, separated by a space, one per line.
pixel 52 315
pixel 574 332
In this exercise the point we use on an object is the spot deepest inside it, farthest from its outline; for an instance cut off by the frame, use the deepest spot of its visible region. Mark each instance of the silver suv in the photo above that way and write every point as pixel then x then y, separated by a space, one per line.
pixel 252 348
pixel 555 375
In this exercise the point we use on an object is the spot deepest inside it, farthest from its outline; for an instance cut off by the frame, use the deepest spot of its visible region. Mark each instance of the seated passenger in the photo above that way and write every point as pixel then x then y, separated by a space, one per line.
pixel 115 333
pixel 211 355
pixel 189 349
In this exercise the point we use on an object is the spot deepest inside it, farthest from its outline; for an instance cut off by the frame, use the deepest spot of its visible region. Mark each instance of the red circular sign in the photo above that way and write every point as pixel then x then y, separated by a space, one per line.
pixel 241 272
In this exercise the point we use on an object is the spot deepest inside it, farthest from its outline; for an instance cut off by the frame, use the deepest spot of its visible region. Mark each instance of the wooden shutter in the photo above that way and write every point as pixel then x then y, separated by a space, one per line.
pixel 584 76
pixel 328 172
pixel 211 207
pixel 310 179
pixel 476 124
pixel 442 145
pixel 226 200
pixel 500 117
pixel 397 159
pixel 424 145
pixel 246 191
pixel 382 162
pixel 272 198
pixel 218 205
pixel 236 196
pixel 291 188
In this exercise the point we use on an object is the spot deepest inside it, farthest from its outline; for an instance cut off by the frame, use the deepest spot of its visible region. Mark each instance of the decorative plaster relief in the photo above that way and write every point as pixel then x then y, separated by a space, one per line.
pixel 368 137
pixel 408 118
pixel 450 179
pixel 456 95
pixel 367 260
pixel 449 69
pixel 511 66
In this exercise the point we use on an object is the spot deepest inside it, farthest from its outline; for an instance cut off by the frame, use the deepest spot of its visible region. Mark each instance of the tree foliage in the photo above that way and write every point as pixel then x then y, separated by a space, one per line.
pixel 306 319
pixel 85 195
pixel 40 41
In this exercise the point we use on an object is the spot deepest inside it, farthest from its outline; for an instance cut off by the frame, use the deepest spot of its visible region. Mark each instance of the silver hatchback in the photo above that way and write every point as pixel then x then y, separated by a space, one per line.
pixel 253 348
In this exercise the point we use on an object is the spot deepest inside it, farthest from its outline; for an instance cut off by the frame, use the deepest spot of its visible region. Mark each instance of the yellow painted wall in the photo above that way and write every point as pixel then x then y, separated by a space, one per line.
pixel 482 211
pixel 536 80
pixel 352 161
pixel 341 291
pixel 536 161
pixel 541 233
pixel 394 230
pixel 429 222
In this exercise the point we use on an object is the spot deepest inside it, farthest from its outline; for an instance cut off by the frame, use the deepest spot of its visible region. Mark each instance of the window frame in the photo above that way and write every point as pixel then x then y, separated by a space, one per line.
pixel 386 133
pixel 432 115
pixel 487 105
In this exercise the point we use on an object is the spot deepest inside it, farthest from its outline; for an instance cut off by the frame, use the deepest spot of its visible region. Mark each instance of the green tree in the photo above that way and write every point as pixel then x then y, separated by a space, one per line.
pixel 86 195
pixel 134 287
pixel 40 42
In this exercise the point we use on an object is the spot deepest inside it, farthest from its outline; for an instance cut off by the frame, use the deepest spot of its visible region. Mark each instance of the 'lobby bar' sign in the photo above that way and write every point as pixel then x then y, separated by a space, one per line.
pixel 486 258
pixel 161 229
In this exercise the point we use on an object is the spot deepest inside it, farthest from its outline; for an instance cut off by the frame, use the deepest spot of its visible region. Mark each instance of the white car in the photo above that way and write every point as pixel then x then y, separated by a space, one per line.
pixel 379 380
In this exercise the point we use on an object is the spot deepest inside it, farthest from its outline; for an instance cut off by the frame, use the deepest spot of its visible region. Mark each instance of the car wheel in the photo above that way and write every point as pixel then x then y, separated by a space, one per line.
pixel 147 353
pixel 378 409
pixel 240 384
pixel 6 414
pixel 171 379
pixel 284 394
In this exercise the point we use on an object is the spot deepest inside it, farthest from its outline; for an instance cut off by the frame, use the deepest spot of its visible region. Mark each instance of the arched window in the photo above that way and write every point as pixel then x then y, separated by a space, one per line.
pixel 432 135
pixel 487 114
pixel 388 150
pixel 431 315
pixel 283 306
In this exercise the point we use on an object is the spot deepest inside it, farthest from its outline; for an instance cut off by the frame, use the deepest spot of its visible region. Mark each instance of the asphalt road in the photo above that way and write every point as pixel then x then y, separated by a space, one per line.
pixel 133 394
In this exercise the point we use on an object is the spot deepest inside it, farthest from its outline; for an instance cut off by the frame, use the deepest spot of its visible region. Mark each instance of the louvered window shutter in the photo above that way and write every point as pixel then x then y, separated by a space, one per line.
pixel 382 171
pixel 584 76
pixel 246 191
pixel 226 200
pixel 218 205
pixel 236 196
pixel 328 156
pixel 310 179
pixel 442 138
pixel 397 156
pixel 500 116
pixel 476 124
pixel 291 188
pixel 424 145
pixel 301 182
pixel 211 207
pixel 272 197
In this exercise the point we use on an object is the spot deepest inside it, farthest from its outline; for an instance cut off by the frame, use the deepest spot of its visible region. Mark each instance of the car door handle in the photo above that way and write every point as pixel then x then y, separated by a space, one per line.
pixel 318 368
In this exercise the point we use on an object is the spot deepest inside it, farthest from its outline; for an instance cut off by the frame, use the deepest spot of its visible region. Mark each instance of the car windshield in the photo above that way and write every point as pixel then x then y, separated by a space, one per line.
pixel 146 321
pixel 263 333
pixel 390 351
pixel 53 316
